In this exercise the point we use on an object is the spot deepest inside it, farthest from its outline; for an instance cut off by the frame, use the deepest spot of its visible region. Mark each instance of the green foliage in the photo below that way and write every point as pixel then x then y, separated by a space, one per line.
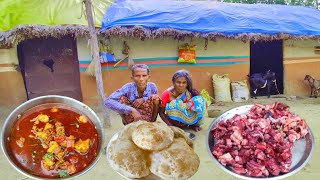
pixel 310 3
pixel 279 2
pixel 296 2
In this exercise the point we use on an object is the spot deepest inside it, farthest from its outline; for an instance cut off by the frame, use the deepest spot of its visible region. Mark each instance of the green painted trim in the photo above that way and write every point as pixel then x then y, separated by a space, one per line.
pixel 181 65
pixel 199 64
pixel 86 61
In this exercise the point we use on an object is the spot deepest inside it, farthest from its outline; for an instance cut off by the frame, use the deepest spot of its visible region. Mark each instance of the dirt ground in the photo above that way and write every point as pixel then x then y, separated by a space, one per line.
pixel 307 108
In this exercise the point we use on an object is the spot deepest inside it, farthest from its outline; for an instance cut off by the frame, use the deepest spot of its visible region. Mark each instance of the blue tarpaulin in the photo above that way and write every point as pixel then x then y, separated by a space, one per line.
pixel 214 17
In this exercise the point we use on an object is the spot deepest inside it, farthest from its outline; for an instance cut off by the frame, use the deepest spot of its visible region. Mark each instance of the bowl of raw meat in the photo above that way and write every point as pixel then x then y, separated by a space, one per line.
pixel 260 141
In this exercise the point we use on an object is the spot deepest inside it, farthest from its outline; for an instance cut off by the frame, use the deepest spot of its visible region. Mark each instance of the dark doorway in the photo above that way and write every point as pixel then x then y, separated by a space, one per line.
pixel 50 67
pixel 264 56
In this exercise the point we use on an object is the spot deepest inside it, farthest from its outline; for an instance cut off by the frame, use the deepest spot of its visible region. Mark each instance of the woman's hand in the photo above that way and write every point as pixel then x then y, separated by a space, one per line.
pixel 136 115
pixel 163 116
pixel 137 103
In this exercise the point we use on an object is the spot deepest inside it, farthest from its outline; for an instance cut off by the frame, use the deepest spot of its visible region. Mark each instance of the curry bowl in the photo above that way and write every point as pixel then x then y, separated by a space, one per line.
pixel 301 150
pixel 52 137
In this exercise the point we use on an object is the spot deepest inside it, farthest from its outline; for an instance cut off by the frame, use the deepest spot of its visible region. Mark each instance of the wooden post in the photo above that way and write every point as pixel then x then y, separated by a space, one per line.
pixel 95 51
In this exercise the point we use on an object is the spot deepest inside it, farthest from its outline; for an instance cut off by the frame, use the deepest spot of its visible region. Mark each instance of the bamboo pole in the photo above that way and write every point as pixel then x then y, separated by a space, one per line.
pixel 95 51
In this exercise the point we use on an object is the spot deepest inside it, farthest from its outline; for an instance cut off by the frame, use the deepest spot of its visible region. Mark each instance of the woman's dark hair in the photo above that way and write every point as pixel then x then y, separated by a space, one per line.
pixel 184 73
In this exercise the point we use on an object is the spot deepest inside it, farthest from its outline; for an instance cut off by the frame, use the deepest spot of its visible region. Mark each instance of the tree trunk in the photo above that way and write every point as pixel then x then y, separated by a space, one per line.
pixel 95 50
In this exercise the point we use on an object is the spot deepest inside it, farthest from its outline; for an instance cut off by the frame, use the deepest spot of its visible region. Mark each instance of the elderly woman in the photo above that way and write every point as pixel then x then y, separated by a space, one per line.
pixel 137 100
pixel 181 105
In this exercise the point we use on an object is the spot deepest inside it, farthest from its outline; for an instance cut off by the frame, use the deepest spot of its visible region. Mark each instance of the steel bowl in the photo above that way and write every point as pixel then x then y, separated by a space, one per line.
pixel 17 112
pixel 301 151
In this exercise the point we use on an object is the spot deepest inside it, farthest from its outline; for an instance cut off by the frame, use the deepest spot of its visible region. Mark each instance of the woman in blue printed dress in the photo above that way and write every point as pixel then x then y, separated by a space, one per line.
pixel 181 104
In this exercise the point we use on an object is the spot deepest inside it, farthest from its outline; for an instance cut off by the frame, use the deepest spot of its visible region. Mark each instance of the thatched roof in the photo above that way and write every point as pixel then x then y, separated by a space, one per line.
pixel 149 33
pixel 21 33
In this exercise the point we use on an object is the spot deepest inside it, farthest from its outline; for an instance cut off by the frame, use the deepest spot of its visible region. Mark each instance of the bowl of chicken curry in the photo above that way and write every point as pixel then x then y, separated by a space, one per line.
pixel 52 137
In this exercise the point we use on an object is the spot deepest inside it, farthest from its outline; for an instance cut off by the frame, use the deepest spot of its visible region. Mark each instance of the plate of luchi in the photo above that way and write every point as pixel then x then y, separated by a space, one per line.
pixel 152 150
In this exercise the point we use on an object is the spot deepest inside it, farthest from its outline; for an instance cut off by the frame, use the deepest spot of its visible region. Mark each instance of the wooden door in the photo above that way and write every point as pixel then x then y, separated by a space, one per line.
pixel 50 67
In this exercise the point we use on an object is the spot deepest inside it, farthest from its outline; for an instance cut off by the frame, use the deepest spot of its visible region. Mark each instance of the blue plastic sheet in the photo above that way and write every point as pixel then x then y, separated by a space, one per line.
pixel 214 17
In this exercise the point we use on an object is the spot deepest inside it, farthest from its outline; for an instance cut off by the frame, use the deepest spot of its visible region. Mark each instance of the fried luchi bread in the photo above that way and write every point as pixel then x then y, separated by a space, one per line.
pixel 179 161
pixel 126 158
pixel 153 136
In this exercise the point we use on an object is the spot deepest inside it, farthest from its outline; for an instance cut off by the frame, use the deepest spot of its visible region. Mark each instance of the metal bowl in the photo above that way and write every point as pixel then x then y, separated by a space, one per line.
pixel 16 113
pixel 301 151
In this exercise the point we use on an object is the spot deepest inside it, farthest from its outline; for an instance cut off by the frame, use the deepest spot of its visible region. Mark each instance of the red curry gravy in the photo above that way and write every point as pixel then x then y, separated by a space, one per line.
pixel 30 155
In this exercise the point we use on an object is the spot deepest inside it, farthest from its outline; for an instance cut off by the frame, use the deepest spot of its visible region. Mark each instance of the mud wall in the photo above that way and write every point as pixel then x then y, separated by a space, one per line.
pixel 300 59
pixel 12 89
pixel 221 57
